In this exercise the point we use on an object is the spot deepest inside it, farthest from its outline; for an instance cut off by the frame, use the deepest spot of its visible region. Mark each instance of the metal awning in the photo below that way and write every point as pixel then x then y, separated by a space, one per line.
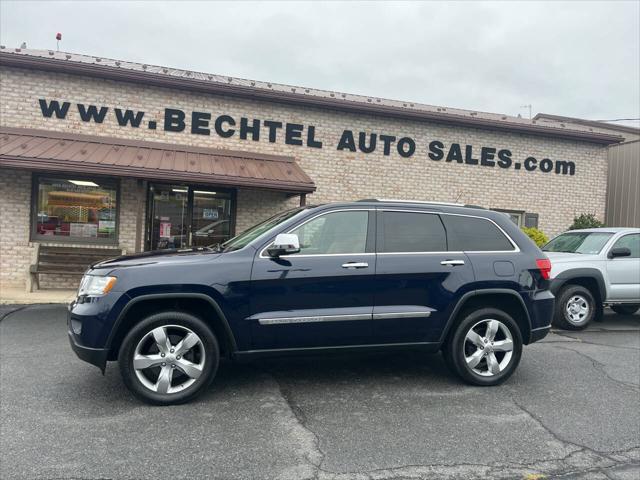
pixel 88 154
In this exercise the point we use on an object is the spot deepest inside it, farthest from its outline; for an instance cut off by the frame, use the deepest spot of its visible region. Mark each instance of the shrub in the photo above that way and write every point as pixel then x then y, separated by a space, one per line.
pixel 536 235
pixel 586 220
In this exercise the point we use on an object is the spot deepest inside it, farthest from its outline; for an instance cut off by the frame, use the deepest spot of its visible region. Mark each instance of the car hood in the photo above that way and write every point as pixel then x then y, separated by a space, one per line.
pixel 564 257
pixel 171 256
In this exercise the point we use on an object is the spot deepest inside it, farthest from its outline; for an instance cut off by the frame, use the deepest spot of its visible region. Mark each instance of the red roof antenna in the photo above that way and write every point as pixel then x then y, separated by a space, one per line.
pixel 58 38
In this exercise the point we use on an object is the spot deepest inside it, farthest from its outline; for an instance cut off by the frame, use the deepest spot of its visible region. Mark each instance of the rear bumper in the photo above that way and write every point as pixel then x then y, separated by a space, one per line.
pixel 94 356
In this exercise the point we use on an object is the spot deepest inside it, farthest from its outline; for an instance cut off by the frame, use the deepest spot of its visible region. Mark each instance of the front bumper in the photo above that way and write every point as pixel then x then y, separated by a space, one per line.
pixel 94 356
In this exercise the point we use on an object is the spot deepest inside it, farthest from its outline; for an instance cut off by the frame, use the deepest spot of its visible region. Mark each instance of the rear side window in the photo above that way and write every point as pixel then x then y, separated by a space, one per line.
pixel 403 232
pixel 471 234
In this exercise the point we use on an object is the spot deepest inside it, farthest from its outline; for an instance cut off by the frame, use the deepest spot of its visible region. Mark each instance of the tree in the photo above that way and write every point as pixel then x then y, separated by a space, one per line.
pixel 536 235
pixel 586 220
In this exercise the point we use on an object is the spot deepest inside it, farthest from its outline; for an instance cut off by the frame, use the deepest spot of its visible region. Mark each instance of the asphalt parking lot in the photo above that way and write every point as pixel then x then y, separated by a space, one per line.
pixel 572 410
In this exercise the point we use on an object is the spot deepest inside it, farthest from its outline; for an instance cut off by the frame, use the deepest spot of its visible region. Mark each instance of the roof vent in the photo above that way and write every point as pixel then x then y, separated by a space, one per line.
pixel 51 52
pixel 209 77
pixel 98 59
pixel 269 85
pixel 118 64
pixel 332 94
pixel 253 84
pixel 293 90
pixel 144 67
pixel 369 100
pixel 344 95
pixel 306 90
pixel 473 113
pixel 68 57
pixel 165 70
pixel 17 50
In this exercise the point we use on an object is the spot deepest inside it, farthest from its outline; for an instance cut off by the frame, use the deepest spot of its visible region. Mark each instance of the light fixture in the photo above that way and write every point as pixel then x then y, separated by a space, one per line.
pixel 83 183
pixel 204 192
pixel 179 190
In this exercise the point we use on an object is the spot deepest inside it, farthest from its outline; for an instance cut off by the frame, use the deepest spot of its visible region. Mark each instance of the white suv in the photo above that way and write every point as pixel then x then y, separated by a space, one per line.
pixel 593 268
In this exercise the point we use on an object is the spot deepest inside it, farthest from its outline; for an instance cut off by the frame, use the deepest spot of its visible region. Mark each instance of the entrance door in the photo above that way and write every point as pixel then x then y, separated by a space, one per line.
pixel 184 216
pixel 169 212
pixel 210 218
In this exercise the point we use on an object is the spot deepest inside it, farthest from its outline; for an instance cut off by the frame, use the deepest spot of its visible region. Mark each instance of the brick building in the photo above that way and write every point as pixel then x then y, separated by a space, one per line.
pixel 110 154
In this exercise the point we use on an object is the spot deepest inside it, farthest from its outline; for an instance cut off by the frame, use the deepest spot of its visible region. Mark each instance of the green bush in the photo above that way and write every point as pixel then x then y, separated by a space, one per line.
pixel 586 220
pixel 536 235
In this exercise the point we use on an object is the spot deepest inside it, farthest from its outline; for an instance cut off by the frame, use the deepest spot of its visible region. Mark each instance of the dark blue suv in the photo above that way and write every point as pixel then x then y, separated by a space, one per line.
pixel 351 276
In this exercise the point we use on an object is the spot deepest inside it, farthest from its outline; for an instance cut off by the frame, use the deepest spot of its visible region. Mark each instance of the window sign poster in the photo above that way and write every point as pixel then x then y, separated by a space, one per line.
pixel 165 229
pixel 106 226
pixel 210 213
pixel 90 230
pixel 87 230
pixel 75 229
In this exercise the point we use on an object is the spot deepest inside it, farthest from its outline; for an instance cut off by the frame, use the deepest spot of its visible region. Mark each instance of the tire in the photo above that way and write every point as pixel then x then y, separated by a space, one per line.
pixel 575 308
pixel 165 373
pixel 464 348
pixel 625 309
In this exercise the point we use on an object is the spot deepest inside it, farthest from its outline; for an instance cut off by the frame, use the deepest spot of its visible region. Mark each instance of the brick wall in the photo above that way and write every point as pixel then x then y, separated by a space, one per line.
pixel 339 175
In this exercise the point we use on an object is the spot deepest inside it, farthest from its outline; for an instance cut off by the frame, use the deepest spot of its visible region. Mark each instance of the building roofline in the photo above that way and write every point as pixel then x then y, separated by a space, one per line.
pixel 213 84
pixel 590 123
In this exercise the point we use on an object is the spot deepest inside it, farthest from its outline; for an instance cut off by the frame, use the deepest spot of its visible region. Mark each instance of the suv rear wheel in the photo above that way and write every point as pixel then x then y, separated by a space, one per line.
pixel 625 309
pixel 169 358
pixel 575 308
pixel 485 347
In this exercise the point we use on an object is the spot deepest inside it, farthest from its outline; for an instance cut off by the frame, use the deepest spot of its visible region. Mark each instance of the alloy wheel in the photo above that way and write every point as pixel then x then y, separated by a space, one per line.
pixel 169 359
pixel 577 309
pixel 488 347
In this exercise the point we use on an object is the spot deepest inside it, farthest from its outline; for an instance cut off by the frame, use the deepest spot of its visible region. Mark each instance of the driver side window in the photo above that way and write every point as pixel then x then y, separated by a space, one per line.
pixel 336 232
pixel 632 242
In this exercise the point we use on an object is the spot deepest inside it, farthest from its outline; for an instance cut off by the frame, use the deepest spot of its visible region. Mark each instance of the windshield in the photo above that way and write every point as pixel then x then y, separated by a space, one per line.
pixel 248 236
pixel 578 242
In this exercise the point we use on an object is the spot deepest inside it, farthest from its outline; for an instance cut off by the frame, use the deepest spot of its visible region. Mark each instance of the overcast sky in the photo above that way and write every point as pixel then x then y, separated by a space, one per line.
pixel 576 58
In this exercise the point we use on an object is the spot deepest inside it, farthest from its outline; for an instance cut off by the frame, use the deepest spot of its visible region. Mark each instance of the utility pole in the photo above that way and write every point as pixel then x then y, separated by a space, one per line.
pixel 529 107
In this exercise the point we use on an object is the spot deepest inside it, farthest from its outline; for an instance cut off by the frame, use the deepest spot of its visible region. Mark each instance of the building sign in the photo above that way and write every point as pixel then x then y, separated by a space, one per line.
pixel 272 131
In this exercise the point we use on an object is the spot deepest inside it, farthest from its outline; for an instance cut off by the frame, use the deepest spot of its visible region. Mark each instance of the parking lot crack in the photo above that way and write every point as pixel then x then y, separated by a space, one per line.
pixel 316 457
pixel 555 435
pixel 571 339
pixel 600 367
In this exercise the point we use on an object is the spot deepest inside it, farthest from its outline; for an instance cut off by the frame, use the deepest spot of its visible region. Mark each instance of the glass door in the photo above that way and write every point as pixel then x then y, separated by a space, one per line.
pixel 169 206
pixel 211 218
pixel 184 216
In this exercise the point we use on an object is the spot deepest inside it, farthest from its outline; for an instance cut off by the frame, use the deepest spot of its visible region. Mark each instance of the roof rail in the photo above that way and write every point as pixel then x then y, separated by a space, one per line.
pixel 394 200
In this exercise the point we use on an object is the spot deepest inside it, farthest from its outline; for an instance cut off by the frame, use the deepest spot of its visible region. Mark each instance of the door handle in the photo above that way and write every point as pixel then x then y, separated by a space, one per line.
pixel 452 263
pixel 355 265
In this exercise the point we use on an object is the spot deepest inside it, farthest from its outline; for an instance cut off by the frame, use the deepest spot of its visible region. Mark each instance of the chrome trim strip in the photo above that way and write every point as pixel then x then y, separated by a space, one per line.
pixel 341 318
pixel 315 319
pixel 384 316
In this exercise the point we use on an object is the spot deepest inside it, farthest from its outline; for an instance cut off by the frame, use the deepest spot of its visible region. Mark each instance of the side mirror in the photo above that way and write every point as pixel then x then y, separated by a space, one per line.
pixel 284 244
pixel 619 252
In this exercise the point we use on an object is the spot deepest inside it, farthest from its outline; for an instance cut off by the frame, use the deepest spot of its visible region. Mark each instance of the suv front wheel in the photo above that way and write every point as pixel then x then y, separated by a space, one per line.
pixel 169 358
pixel 485 347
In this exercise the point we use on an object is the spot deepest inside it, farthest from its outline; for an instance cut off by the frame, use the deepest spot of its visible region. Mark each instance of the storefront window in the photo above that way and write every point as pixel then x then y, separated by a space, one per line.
pixel 78 210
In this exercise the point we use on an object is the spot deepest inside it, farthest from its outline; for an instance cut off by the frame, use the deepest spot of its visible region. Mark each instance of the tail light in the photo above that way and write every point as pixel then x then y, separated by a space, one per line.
pixel 544 265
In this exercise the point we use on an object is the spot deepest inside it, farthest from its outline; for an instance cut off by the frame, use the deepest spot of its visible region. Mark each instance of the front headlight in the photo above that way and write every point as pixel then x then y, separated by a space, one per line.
pixel 94 285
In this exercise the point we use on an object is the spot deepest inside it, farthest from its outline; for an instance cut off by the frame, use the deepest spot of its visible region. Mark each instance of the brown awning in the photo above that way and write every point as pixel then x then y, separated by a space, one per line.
pixel 62 152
